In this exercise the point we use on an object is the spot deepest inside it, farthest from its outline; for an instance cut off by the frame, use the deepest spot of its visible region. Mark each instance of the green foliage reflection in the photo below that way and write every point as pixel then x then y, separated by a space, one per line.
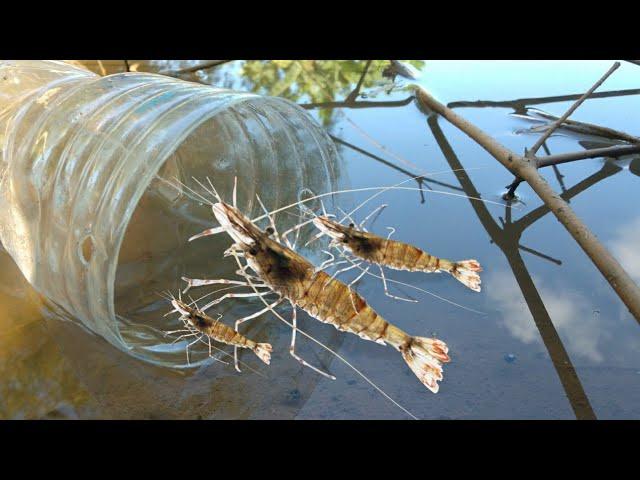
pixel 313 81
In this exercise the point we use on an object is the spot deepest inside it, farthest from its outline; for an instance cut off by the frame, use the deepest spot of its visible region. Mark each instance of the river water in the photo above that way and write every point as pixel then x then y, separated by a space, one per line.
pixel 553 341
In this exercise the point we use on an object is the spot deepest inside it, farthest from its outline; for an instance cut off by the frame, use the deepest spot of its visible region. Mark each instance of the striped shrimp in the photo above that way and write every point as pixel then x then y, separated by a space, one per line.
pixel 325 298
pixel 394 254
pixel 200 324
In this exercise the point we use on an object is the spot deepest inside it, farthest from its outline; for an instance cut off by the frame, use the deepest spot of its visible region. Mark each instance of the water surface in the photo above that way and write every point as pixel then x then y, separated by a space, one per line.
pixel 555 341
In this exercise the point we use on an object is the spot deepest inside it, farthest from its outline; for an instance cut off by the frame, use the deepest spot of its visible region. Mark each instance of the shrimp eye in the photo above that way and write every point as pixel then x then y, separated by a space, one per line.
pixel 269 230
pixel 345 240
pixel 352 225
pixel 253 251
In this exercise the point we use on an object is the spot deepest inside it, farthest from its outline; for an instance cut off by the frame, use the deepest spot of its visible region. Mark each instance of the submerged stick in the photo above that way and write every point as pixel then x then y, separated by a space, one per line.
pixel 583 127
pixel 525 169
pixel 571 109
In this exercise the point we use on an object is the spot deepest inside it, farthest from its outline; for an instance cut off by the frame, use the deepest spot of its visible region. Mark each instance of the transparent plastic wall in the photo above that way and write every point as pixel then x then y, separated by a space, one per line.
pixel 93 211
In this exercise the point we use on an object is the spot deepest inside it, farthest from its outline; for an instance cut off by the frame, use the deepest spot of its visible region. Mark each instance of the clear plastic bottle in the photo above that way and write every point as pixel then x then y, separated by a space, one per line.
pixel 89 212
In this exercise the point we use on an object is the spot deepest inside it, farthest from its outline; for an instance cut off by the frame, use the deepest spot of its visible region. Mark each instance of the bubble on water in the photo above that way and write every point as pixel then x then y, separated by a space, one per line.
pixel 510 358
pixel 294 396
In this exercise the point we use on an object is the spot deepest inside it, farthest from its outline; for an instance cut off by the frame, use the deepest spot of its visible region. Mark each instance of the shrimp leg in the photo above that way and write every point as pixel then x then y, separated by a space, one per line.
pixel 376 210
pixel 196 282
pixel 329 261
pixel 353 293
pixel 386 288
pixel 271 222
pixel 187 348
pixel 234 295
pixel 384 279
pixel 184 336
pixel 249 317
pixel 346 269
pixel 292 348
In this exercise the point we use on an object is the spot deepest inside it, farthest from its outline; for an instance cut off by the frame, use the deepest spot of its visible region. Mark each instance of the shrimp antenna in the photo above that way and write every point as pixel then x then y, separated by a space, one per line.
pixel 380 190
pixel 213 189
pixel 235 191
pixel 391 187
pixel 206 200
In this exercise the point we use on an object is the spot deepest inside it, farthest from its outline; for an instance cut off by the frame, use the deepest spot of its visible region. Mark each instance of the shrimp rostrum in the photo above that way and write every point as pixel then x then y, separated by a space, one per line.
pixel 323 297
pixel 385 252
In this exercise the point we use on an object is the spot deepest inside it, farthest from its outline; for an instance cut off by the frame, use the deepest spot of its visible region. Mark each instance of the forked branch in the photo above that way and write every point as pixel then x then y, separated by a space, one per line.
pixel 526 170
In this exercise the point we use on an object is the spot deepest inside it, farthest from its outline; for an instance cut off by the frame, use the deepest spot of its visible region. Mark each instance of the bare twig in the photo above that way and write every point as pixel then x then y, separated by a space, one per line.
pixel 571 109
pixel 609 152
pixel 588 128
pixel 511 192
pixel 553 160
pixel 520 104
pixel 201 66
pixel 540 254
pixel 360 104
pixel 126 66
pixel 556 170
pixel 356 91
pixel 635 62
pixel 559 177
pixel 523 168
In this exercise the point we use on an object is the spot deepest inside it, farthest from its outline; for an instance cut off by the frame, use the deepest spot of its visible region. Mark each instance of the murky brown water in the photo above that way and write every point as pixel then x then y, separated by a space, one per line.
pixel 555 342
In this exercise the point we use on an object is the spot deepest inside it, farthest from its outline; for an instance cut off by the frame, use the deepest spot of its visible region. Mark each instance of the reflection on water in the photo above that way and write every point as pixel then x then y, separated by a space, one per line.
pixel 556 343
pixel 573 314
pixel 624 245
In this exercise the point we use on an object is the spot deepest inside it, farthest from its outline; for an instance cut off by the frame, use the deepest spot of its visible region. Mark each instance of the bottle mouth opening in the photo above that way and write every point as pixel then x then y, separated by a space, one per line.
pixel 274 151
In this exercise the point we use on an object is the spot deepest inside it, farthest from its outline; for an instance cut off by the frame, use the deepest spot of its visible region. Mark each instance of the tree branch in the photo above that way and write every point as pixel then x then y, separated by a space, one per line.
pixel 572 109
pixel 611 152
pixel 540 254
pixel 520 104
pixel 360 104
pixel 356 91
pixel 588 128
pixel 523 168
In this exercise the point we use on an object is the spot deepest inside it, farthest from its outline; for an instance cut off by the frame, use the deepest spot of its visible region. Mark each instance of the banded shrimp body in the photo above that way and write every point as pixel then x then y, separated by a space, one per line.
pixel 198 324
pixel 276 267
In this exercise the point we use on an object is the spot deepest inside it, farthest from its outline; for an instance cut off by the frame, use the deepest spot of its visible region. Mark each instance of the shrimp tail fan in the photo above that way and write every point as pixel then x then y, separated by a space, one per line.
pixel 467 272
pixel 263 351
pixel 425 357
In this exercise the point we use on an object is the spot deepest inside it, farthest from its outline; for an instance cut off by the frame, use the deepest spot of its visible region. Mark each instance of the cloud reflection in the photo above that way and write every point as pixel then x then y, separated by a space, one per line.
pixel 571 313
pixel 624 247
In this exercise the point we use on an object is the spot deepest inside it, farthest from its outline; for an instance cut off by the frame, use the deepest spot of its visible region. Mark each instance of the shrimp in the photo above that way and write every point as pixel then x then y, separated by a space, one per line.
pixel 325 298
pixel 197 321
pixel 394 254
